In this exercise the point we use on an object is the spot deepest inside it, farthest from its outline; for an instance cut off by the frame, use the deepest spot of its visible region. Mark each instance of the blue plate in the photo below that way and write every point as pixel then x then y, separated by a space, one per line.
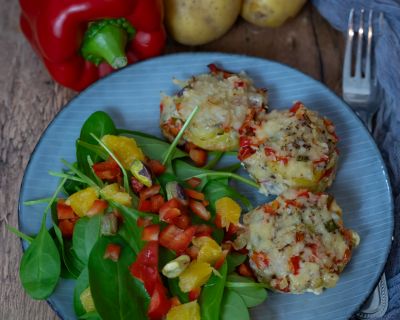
pixel 132 95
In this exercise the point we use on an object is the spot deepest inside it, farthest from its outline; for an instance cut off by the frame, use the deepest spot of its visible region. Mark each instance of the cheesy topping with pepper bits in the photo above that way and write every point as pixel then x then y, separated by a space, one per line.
pixel 294 149
pixel 224 99
pixel 298 243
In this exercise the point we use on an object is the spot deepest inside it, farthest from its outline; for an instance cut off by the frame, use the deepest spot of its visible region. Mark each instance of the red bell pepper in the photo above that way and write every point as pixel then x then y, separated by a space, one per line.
pixel 145 268
pixel 80 41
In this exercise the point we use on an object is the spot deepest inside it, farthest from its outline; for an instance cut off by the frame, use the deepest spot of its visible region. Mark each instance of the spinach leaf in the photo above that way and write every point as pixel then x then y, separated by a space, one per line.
pixel 234 260
pixel 152 146
pixel 252 293
pixel 233 306
pixel 99 123
pixel 211 295
pixel 80 285
pixel 90 316
pixel 117 295
pixel 86 233
pixel 40 266
pixel 129 230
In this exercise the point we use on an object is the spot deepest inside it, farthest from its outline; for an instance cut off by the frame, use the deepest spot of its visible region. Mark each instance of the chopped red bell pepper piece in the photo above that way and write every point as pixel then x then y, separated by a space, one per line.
pixel 194 294
pixel 182 221
pixel 199 156
pixel 151 232
pixel 156 167
pixel 98 207
pixel 145 205
pixel 64 211
pixel 145 268
pixel 175 238
pixel 193 182
pixel 200 210
pixel 148 192
pixel 118 32
pixel 203 230
pixel 295 264
pixel 66 227
pixel 296 106
pixel 195 194
pixel 108 170
pixel 245 271
pixel 260 259
pixel 157 201
pixel 112 252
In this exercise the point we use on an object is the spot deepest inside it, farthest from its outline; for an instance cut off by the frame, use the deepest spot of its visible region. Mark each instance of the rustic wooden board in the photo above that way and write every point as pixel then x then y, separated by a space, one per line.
pixel 29 100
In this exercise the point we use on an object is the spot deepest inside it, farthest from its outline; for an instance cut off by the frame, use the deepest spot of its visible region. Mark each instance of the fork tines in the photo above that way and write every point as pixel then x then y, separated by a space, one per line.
pixel 359 72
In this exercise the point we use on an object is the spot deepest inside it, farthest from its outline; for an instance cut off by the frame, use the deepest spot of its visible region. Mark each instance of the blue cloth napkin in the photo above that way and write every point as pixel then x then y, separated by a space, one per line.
pixel 387 129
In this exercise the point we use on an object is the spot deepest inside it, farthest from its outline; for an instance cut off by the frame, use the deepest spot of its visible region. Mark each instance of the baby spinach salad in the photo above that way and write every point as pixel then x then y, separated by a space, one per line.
pixel 145 230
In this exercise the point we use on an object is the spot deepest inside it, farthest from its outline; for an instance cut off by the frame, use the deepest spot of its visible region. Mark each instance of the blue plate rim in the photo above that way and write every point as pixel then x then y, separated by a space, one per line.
pixel 212 55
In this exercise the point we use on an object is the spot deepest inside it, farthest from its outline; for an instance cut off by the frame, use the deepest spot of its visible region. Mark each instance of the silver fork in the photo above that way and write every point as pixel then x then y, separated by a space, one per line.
pixel 359 92
pixel 359 88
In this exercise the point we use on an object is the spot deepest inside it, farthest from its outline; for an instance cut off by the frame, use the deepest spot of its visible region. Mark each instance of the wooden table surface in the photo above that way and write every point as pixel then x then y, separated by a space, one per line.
pixel 29 100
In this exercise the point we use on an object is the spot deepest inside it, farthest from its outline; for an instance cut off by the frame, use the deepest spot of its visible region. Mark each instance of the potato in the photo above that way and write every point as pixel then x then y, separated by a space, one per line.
pixel 195 22
pixel 270 13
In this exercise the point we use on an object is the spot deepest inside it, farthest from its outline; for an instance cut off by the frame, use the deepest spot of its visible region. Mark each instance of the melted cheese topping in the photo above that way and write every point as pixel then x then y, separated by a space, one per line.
pixel 292 149
pixel 224 101
pixel 298 243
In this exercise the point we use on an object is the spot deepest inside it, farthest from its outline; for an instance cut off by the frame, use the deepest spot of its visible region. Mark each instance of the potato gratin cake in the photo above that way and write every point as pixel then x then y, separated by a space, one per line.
pixel 298 243
pixel 224 99
pixel 294 149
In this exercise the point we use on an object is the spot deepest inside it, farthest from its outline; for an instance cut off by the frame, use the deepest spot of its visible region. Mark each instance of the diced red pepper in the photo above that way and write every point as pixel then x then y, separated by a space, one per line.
pixel 194 294
pixel 260 259
pixel 156 167
pixel 148 192
pixel 175 238
pixel 199 156
pixel 218 264
pixel 193 182
pixel 245 271
pixel 295 264
pixel 293 203
pixel 268 209
pixel 145 268
pixel 64 211
pixel 66 227
pixel 159 302
pixel 112 252
pixel 169 214
pixel 195 194
pixel 151 232
pixel 218 221
pixel 182 221
pixel 99 206
pixel 108 170
pixel 136 185
pixel 296 107
pixel 157 202
pixel 216 71
pixel 245 141
pixel 143 222
pixel 199 209
pixel 145 205
pixel 203 230
pixel 245 152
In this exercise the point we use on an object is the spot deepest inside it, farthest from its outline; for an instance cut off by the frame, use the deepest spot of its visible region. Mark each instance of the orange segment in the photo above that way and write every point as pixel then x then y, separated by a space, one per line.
pixel 228 210
pixel 82 200
pixel 124 148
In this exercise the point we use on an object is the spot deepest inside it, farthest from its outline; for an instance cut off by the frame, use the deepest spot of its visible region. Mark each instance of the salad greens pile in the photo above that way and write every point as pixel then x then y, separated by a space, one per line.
pixel 106 285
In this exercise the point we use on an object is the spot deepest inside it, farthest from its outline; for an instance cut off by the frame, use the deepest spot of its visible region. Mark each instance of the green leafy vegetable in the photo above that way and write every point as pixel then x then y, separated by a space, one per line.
pixel 253 293
pixel 234 260
pixel 116 293
pixel 216 156
pixel 40 266
pixel 99 123
pixel 86 234
pixel 212 294
pixel 80 285
pixel 233 306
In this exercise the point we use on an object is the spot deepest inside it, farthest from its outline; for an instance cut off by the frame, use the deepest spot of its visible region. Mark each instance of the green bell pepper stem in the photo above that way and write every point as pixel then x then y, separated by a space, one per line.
pixel 106 40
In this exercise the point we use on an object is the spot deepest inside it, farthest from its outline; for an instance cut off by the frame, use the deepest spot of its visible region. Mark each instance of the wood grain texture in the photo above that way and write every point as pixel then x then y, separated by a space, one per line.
pixel 29 100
